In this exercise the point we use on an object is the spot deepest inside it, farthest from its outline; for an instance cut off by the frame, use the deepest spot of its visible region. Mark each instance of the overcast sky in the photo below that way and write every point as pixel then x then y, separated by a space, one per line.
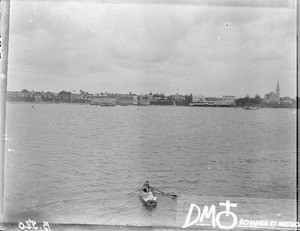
pixel 212 50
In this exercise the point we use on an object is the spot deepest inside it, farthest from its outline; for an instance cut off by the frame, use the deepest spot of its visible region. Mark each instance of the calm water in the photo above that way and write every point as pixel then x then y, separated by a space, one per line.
pixel 77 163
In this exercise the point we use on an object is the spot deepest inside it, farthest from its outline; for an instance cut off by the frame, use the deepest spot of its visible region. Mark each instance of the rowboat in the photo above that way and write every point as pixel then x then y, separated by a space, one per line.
pixel 148 198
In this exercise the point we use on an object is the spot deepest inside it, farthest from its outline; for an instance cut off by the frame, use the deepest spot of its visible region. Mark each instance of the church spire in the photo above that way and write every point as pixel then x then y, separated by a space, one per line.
pixel 277 95
pixel 277 87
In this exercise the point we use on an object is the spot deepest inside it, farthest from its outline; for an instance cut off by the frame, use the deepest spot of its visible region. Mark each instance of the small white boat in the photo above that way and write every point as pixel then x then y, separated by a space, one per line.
pixel 148 198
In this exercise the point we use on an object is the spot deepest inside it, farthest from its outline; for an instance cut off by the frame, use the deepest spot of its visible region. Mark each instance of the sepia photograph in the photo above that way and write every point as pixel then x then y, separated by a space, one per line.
pixel 148 115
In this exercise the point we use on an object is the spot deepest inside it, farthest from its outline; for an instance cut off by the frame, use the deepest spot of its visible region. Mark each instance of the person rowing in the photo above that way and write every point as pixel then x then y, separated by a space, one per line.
pixel 146 187
pixel 148 196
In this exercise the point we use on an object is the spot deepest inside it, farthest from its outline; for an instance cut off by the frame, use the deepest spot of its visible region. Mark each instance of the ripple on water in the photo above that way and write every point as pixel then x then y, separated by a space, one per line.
pixel 86 166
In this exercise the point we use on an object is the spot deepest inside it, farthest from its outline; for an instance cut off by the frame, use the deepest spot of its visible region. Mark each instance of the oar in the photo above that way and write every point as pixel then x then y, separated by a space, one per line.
pixel 166 194
pixel 133 192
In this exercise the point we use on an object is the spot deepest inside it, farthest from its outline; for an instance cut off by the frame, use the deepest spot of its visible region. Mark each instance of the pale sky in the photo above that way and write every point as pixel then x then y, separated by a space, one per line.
pixel 211 50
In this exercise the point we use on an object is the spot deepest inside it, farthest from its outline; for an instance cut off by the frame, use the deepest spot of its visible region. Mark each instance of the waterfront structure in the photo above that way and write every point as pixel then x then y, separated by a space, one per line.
pixel 229 99
pixel 225 101
pixel 160 100
pixel 111 99
pixel 20 96
pixel 198 98
pixel 38 97
pixel 81 98
pixel 75 97
pixel 177 97
pixel 48 97
pixel 135 100
pixel 287 100
pixel 63 97
pixel 103 101
pixel 125 100
pixel 144 100
pixel 273 97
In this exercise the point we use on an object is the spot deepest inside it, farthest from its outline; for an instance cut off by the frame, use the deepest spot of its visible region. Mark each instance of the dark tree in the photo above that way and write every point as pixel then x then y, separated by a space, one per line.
pixel 188 99
pixel 257 99
pixel 64 93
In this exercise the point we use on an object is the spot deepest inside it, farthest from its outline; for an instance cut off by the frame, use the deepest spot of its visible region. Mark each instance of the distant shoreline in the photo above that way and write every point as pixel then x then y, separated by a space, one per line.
pixel 260 106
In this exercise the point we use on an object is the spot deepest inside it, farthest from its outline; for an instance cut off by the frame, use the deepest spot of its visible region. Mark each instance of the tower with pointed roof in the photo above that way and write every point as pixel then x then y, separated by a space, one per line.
pixel 273 97
pixel 277 94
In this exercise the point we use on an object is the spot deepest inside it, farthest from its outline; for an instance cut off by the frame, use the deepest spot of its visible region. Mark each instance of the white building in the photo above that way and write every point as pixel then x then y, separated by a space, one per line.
pixel 103 101
pixel 229 99
pixel 142 100
pixel 198 98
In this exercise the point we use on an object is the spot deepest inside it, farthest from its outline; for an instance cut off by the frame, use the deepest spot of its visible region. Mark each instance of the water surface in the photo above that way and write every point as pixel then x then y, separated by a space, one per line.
pixel 69 163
